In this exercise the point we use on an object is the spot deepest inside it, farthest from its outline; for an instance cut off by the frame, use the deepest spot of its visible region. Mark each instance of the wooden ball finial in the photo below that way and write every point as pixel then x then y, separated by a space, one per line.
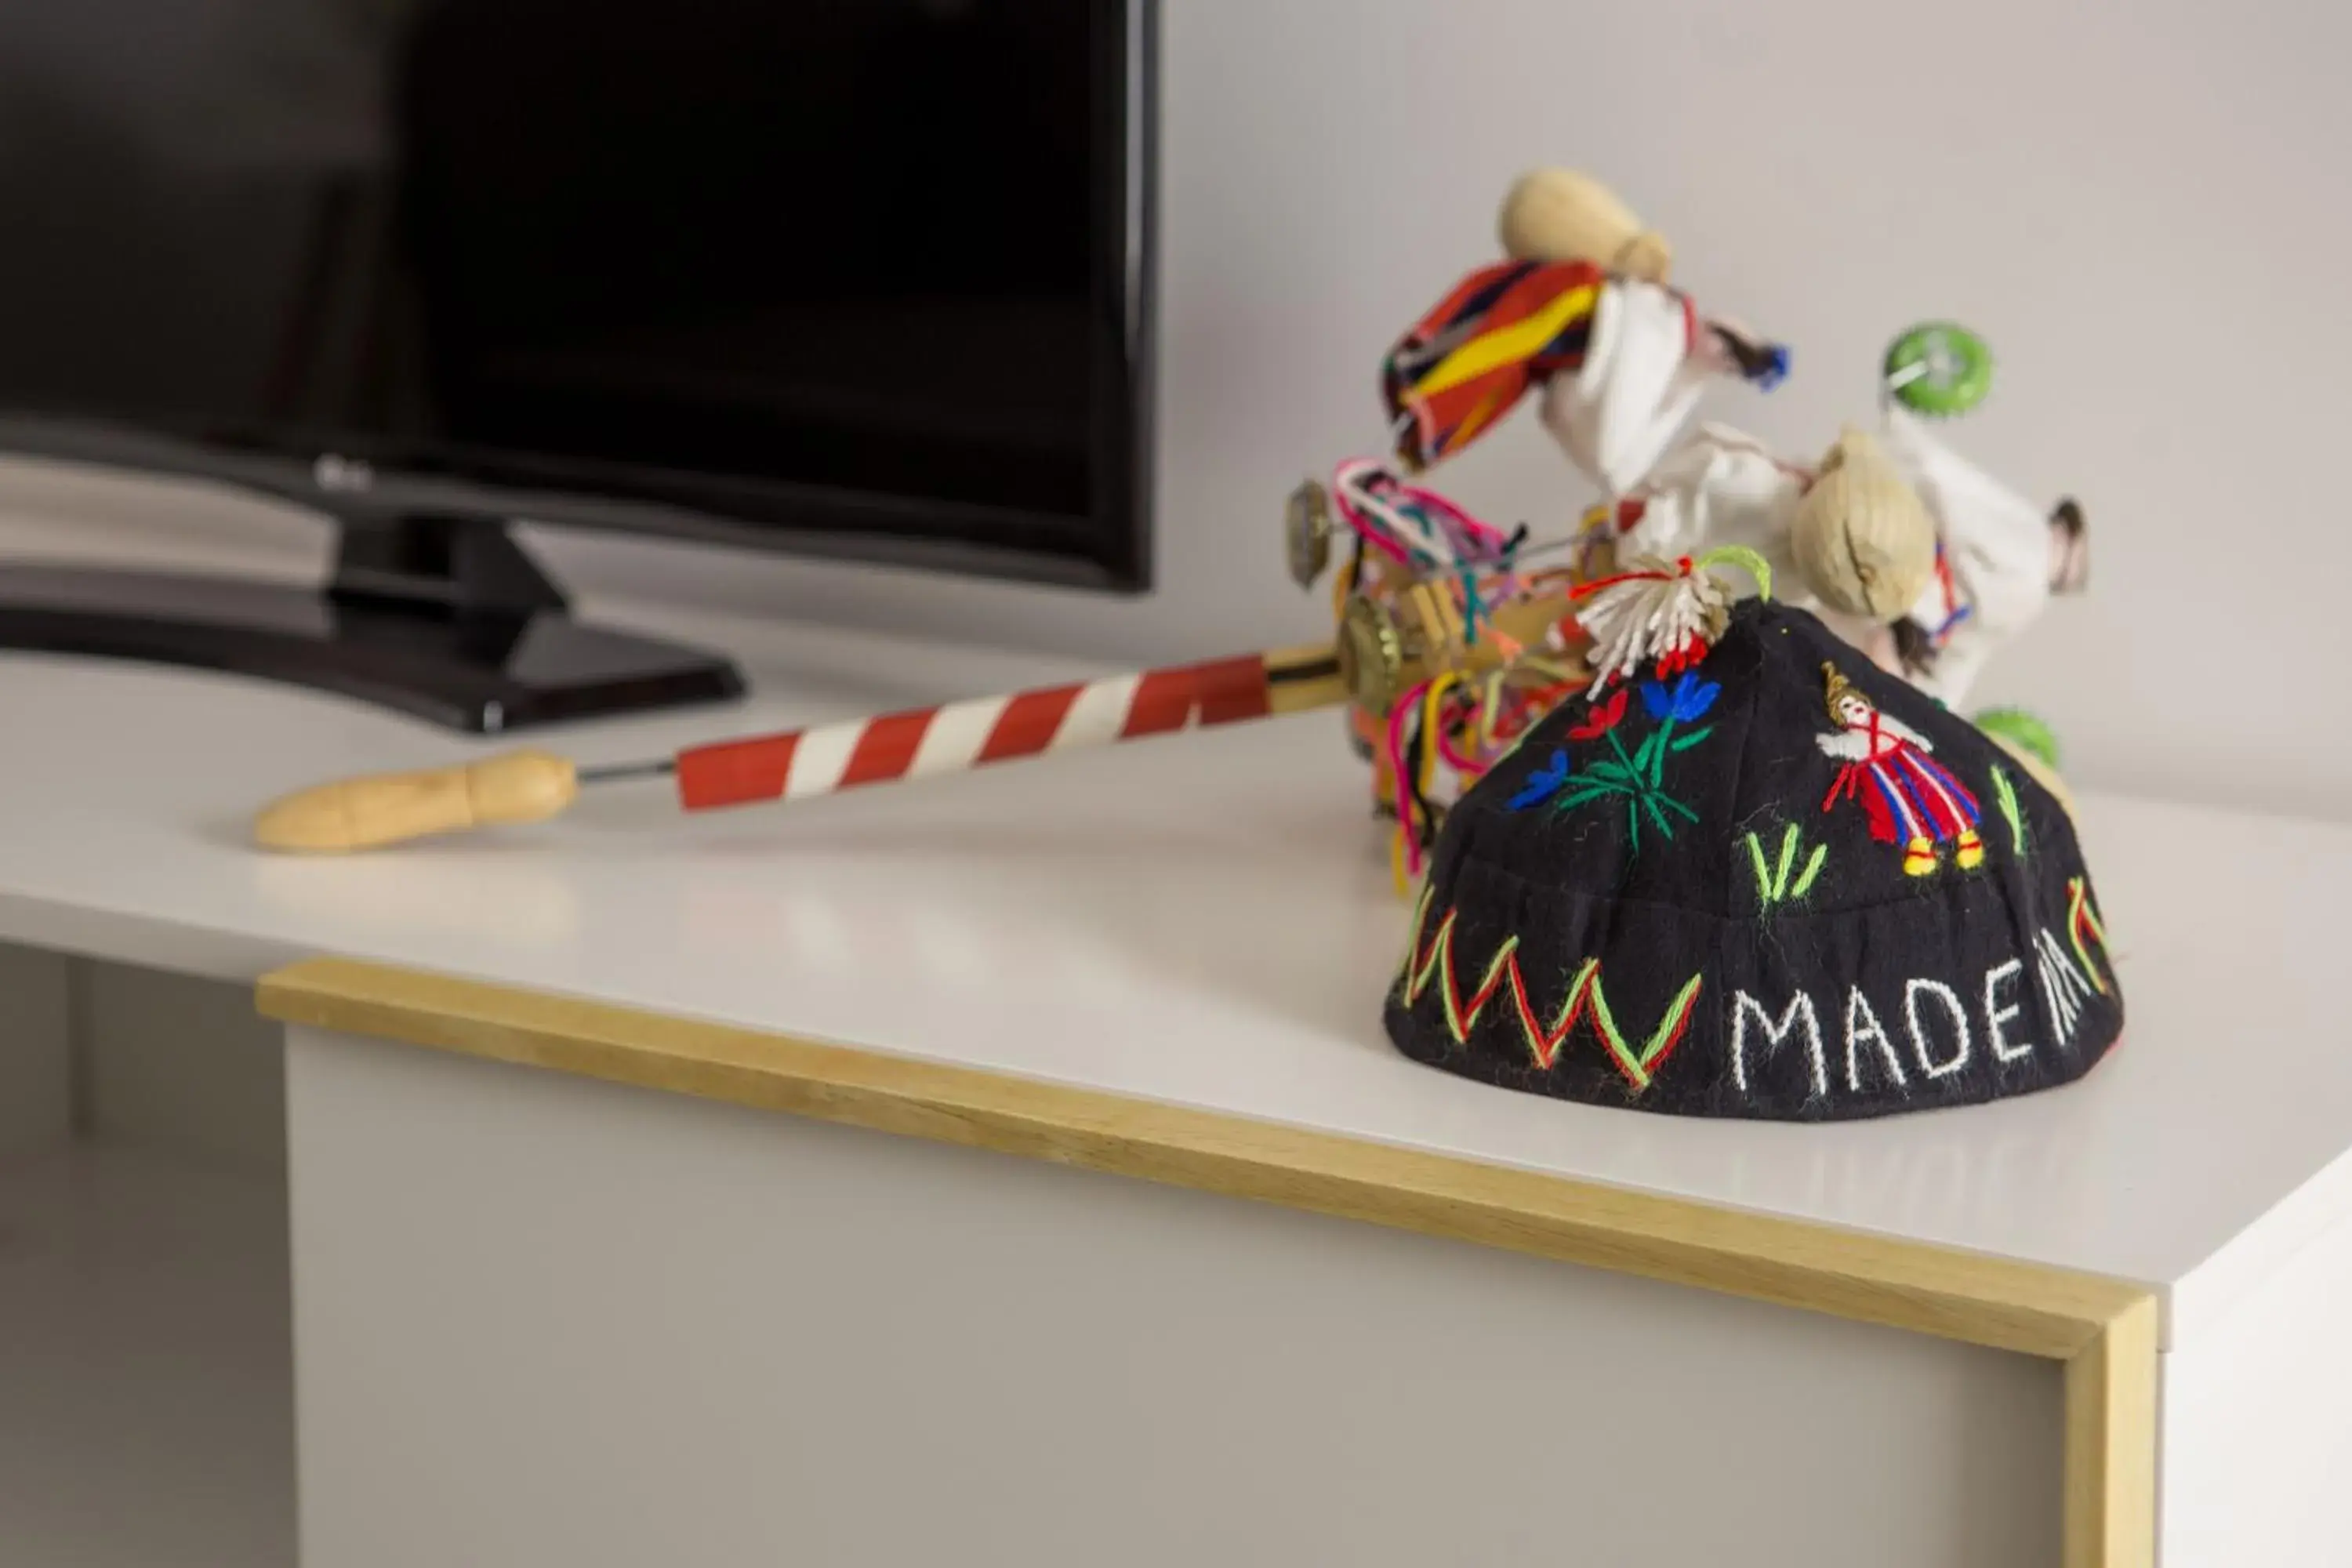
pixel 1563 215
pixel 1862 538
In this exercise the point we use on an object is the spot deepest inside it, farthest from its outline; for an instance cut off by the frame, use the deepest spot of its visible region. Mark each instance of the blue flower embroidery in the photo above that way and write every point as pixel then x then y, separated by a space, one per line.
pixel 1543 784
pixel 1690 699
pixel 1637 777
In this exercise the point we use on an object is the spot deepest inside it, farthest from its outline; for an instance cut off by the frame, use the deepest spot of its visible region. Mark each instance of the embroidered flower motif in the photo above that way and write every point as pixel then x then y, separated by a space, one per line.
pixel 1543 784
pixel 1636 777
pixel 1603 718
pixel 1689 699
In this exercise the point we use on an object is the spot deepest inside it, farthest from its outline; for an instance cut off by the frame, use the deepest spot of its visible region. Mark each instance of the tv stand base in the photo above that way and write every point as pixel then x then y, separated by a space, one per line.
pixel 485 670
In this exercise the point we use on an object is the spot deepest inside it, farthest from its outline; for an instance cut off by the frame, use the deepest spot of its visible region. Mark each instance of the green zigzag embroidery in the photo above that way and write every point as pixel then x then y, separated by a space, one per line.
pixel 1638 1066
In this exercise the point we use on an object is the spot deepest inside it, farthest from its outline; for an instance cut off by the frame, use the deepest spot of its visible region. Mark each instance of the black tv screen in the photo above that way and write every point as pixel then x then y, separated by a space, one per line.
pixel 859 276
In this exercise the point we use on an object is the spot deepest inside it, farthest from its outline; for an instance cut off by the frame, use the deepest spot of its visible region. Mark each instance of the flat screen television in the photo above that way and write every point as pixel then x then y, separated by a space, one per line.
pixel 861 278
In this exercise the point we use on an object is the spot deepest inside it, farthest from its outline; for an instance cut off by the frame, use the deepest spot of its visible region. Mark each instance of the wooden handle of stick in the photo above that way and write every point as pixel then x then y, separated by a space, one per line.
pixel 390 808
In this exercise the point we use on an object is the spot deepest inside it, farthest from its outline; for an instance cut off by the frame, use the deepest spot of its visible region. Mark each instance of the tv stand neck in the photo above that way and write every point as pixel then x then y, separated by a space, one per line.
pixel 440 566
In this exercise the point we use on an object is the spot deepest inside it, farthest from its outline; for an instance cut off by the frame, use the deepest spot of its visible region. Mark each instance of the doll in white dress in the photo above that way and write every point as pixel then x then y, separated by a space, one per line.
pixel 1991 564
pixel 1580 314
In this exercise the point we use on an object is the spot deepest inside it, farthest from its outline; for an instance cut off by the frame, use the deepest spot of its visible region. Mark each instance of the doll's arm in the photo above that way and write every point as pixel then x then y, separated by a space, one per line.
pixel 1647 359
pixel 1726 348
pixel 1615 414
pixel 1895 727
pixel 1717 487
pixel 1997 543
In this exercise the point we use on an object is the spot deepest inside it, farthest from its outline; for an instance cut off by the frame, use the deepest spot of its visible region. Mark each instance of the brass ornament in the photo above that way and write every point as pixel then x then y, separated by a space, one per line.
pixel 1371 654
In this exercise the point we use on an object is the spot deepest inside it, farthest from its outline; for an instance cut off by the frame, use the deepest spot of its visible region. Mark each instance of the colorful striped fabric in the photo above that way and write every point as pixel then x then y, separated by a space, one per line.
pixel 1503 330
pixel 1906 793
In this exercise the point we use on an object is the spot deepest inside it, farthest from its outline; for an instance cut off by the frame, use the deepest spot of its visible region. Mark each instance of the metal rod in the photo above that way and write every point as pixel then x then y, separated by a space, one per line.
pixel 609 772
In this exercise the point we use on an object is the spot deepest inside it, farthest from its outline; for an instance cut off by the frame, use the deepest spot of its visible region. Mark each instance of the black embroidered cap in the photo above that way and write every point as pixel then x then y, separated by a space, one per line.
pixel 1763 880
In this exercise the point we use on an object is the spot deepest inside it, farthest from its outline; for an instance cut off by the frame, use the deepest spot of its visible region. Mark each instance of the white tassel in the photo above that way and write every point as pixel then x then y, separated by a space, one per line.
pixel 1666 612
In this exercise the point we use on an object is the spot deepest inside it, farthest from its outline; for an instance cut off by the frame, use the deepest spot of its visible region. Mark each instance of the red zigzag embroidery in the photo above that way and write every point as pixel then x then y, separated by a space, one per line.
pixel 1585 998
pixel 2083 920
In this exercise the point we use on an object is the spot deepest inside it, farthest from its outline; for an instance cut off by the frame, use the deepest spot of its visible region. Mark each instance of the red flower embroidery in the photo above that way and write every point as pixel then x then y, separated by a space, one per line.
pixel 1603 718
pixel 1687 656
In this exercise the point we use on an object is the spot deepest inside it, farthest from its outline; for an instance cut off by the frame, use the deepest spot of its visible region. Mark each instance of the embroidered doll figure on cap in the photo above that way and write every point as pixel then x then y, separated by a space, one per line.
pixel 1910 799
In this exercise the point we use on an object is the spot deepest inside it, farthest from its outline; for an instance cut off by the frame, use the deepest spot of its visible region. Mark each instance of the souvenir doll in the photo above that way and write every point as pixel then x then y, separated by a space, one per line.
pixel 1579 315
pixel 2000 557
pixel 1991 561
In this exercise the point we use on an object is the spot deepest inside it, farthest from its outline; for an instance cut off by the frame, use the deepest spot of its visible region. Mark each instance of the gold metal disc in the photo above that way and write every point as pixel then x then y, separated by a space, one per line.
pixel 1372 653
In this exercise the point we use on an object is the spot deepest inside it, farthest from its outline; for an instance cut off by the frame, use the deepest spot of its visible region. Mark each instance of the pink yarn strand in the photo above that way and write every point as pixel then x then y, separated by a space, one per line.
pixel 1407 704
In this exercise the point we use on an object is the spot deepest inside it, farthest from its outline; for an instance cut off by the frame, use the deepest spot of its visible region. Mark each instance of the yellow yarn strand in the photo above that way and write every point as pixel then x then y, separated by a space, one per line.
pixel 1489 702
pixel 1438 687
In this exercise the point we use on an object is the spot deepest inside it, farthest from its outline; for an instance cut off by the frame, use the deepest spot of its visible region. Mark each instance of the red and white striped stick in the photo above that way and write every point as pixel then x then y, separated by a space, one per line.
pixel 533 786
pixel 957 736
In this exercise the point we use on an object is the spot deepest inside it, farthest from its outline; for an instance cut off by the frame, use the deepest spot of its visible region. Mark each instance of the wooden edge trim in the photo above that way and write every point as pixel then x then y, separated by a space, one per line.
pixel 2111 1444
pixel 1959 1295
pixel 2103 1331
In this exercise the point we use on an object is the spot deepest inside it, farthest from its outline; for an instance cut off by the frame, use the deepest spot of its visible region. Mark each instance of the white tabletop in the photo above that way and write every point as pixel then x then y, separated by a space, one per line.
pixel 1205 919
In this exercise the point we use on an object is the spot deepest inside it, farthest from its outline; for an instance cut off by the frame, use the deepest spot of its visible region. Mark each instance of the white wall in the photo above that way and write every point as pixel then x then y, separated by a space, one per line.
pixel 2144 208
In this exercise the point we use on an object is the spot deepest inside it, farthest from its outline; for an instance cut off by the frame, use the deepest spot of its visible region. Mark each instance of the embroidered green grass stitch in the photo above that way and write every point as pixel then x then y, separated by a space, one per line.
pixel 2006 793
pixel 1639 1068
pixel 1772 881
